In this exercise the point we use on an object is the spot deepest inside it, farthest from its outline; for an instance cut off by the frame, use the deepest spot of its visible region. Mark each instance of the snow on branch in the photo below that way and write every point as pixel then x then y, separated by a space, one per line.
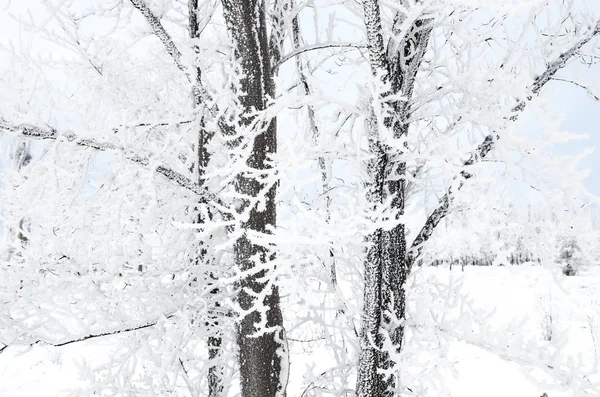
pixel 49 133
pixel 160 32
pixel 488 143
pixel 562 60
pixel 377 54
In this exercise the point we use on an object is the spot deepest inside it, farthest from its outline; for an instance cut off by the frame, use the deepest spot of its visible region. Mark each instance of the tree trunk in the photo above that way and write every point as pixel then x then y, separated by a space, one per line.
pixel 387 264
pixel 370 336
pixel 260 357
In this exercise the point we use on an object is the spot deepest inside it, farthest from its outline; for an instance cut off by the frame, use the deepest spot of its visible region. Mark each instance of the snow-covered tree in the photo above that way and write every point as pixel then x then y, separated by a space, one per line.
pixel 211 172
pixel 402 49
pixel 150 110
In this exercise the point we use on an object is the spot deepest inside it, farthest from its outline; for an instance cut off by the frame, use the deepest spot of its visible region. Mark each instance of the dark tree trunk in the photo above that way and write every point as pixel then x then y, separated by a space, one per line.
pixel 215 341
pixel 260 358
pixel 387 264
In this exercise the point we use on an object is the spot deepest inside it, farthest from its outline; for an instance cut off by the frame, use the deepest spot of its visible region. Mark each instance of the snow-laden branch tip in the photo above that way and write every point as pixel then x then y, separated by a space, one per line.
pixel 562 60
pixel 49 133
pixel 489 142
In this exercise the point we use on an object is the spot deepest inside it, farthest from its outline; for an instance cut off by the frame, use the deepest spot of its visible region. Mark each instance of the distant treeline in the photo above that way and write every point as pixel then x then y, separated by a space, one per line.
pixel 482 260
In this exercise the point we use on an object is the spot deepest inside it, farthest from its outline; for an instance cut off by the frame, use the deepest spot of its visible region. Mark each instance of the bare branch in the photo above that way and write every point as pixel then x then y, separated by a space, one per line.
pixel 101 334
pixel 442 210
pixel 198 90
pixel 314 47
pixel 587 89
pixel 193 76
pixel 562 60
pixel 552 68
pixel 488 144
pixel 193 18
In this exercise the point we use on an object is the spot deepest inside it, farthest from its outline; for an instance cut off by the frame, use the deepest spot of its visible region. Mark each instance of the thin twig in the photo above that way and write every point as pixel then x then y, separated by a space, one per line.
pixel 101 334
pixel 590 93
pixel 314 47
pixel 186 376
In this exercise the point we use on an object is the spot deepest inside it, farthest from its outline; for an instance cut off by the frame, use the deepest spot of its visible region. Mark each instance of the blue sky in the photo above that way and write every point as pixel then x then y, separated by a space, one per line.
pixel 580 114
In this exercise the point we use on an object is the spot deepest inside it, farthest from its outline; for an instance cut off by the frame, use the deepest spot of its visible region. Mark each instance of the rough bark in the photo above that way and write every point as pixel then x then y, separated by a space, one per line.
pixel 387 265
pixel 368 381
pixel 370 335
pixel 260 357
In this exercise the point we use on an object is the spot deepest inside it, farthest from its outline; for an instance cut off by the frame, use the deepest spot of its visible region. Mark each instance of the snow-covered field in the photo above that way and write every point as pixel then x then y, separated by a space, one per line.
pixel 476 354
pixel 529 304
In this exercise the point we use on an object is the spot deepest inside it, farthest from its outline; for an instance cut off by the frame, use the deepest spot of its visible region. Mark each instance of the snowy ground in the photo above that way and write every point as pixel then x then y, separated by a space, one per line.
pixel 523 298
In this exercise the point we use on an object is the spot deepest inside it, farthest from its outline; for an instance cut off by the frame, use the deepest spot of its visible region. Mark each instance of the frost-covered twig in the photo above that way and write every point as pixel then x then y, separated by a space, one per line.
pixel 562 60
pixel 587 89
pixel 49 133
